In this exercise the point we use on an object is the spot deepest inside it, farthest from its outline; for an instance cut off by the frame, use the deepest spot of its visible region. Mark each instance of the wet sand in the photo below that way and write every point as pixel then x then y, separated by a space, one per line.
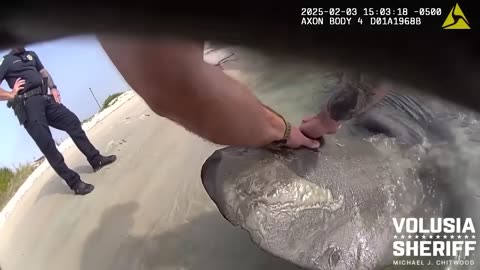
pixel 148 211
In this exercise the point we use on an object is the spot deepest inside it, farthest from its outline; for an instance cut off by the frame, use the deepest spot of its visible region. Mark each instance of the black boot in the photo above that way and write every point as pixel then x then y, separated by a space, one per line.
pixel 82 188
pixel 103 161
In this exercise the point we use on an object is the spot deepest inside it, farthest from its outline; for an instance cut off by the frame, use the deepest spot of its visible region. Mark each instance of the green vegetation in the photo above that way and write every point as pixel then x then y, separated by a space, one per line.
pixel 109 99
pixel 11 180
pixel 87 119
pixel 106 104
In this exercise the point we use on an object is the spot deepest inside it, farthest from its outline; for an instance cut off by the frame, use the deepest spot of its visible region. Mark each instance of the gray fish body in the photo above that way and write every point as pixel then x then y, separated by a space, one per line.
pixel 332 209
pixel 318 214
pixel 410 119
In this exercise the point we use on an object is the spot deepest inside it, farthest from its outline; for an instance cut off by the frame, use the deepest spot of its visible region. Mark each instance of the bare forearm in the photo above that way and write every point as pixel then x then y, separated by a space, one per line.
pixel 176 83
pixel 223 110
pixel 47 75
pixel 6 95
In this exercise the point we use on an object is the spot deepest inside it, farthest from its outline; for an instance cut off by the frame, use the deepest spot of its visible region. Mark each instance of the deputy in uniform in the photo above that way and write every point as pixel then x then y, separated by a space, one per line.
pixel 36 110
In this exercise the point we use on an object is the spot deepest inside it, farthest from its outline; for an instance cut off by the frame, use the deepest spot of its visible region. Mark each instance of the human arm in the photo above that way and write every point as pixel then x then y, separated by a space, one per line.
pixel 9 95
pixel 173 79
pixel 354 100
pixel 45 74
pixel 345 104
pixel 51 85
pixel 6 95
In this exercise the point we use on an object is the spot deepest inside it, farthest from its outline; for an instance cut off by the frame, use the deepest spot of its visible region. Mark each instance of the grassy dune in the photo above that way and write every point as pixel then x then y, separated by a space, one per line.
pixel 11 180
pixel 109 100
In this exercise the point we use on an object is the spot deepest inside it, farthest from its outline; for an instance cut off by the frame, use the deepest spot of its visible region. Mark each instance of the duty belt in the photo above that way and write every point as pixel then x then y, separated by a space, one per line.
pixel 29 93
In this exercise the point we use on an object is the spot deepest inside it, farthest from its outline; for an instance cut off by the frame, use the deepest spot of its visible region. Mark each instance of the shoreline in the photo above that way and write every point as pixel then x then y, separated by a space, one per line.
pixel 25 187
pixel 211 55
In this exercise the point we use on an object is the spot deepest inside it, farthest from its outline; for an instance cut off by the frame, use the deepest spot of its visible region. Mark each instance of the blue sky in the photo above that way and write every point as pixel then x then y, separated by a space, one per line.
pixel 76 64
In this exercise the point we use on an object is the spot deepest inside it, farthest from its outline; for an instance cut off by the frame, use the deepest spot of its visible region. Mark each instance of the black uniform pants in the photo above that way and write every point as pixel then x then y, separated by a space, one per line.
pixel 42 112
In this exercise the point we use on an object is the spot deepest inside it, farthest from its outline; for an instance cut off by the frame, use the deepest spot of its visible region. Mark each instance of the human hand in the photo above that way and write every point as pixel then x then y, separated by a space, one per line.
pixel 56 95
pixel 318 125
pixel 297 139
pixel 294 137
pixel 18 86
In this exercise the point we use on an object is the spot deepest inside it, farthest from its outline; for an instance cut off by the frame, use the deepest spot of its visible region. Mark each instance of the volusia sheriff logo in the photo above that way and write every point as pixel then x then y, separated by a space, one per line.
pixel 434 241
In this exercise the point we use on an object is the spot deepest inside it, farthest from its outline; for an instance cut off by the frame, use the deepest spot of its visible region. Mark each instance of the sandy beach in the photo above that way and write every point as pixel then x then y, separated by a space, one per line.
pixel 149 210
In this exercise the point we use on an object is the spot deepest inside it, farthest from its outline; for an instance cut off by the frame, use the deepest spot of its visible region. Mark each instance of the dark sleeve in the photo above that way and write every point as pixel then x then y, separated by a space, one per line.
pixel 39 64
pixel 3 68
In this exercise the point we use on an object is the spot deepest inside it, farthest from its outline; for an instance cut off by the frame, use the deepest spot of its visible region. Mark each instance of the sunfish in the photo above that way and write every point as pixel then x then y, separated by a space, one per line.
pixel 331 209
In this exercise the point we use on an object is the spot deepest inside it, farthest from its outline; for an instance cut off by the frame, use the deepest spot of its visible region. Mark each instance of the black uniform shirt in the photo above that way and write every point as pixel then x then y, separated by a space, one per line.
pixel 13 67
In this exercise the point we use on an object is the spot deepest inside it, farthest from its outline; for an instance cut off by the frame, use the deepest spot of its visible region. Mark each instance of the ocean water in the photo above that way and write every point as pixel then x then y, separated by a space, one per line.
pixel 297 88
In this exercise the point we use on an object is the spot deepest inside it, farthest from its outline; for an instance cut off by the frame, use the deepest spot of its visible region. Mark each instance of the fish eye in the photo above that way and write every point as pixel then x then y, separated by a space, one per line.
pixel 334 257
